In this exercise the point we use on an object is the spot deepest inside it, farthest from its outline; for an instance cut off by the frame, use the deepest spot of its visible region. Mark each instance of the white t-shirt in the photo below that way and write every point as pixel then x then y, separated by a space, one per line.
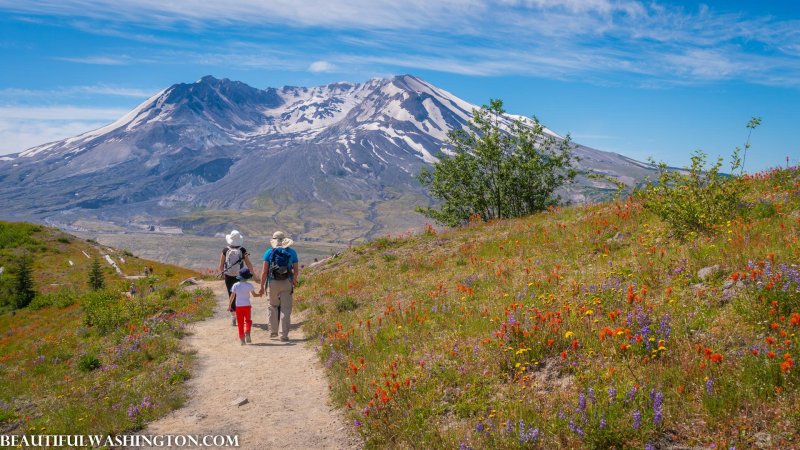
pixel 242 290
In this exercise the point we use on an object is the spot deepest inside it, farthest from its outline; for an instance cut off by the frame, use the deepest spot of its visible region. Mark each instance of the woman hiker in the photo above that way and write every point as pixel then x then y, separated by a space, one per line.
pixel 280 272
pixel 234 257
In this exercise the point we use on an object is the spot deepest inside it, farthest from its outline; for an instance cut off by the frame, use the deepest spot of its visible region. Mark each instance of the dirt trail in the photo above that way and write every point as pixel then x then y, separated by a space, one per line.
pixel 288 405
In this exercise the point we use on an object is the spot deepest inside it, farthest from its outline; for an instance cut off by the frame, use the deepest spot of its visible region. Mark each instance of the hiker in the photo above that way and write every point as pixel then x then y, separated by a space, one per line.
pixel 233 259
pixel 239 303
pixel 280 272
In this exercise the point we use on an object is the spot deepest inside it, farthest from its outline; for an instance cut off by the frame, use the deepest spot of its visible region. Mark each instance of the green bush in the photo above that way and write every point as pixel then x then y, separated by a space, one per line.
pixel 346 304
pixel 696 199
pixel 104 310
pixel 61 299
pixel 88 363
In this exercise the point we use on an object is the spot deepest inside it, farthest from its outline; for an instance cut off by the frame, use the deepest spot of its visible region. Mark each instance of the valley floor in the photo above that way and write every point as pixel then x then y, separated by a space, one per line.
pixel 285 387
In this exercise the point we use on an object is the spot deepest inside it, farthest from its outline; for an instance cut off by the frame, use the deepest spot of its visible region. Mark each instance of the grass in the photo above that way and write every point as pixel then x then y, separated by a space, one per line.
pixel 585 326
pixel 81 362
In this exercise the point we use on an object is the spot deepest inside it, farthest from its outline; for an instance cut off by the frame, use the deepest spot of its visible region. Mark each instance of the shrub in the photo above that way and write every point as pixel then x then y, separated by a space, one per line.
pixel 696 199
pixel 88 363
pixel 23 285
pixel 346 304
pixel 104 310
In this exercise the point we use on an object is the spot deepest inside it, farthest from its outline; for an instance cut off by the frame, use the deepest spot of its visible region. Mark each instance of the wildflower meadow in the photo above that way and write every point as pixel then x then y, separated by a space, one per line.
pixel 597 326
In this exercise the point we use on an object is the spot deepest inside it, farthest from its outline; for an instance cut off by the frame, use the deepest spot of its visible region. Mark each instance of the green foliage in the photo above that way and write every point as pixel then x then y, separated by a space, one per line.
pixel 346 304
pixel 104 310
pixel 88 363
pixel 96 280
pixel 23 284
pixel 61 299
pixel 697 199
pixel 497 172
pixel 14 235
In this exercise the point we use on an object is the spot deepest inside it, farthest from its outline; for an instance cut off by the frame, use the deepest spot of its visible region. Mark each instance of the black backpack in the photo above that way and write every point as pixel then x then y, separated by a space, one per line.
pixel 280 263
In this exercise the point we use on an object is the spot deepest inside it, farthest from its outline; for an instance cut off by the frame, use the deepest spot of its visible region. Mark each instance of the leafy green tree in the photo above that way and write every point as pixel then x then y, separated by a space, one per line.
pixel 499 168
pixel 23 285
pixel 96 279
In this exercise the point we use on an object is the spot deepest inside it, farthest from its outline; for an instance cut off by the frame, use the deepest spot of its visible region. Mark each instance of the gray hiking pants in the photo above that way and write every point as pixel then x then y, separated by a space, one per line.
pixel 279 293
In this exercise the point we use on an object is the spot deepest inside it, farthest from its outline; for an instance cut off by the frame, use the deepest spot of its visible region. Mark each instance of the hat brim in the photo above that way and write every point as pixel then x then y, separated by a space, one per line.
pixel 234 241
pixel 284 243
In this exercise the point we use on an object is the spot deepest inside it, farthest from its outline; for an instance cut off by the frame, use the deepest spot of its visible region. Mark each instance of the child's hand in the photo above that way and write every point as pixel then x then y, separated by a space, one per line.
pixel 257 294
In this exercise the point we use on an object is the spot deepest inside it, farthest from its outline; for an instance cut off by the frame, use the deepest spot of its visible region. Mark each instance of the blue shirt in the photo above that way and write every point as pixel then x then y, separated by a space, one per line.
pixel 292 255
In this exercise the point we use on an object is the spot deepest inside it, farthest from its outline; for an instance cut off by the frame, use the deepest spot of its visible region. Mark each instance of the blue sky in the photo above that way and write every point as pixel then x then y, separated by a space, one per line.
pixel 642 78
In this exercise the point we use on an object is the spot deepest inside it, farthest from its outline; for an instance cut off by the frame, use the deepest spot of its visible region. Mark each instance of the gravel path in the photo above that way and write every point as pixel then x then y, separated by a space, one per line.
pixel 285 387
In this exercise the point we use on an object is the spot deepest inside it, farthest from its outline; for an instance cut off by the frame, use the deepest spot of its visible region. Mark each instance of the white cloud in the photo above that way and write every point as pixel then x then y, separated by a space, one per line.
pixel 321 66
pixel 13 95
pixel 586 39
pixel 60 113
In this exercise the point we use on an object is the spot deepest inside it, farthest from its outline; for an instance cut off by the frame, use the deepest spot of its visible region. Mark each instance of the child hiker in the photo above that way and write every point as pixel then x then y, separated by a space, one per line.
pixel 239 302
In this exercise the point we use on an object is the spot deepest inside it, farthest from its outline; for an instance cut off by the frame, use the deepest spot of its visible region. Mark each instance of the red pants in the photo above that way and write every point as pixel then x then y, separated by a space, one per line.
pixel 243 320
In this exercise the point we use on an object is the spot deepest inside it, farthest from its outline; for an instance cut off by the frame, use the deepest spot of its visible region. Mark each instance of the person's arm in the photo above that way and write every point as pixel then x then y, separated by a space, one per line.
pixel 221 263
pixel 296 272
pixel 263 276
pixel 231 301
pixel 249 265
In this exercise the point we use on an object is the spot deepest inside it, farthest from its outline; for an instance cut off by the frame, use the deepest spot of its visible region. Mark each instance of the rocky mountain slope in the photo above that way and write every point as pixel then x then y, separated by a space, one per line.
pixel 339 157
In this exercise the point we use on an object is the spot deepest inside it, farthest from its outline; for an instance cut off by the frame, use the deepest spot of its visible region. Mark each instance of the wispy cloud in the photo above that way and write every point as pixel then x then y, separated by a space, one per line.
pixel 321 66
pixel 648 41
pixel 24 127
pixel 60 113
pixel 102 60
pixel 16 95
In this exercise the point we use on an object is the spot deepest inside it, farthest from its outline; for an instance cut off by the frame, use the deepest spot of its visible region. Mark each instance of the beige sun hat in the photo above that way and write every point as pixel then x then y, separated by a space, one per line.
pixel 279 239
pixel 234 239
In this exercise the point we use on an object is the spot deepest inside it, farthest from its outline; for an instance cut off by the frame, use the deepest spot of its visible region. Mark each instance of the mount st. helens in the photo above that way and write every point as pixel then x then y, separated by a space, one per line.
pixel 333 163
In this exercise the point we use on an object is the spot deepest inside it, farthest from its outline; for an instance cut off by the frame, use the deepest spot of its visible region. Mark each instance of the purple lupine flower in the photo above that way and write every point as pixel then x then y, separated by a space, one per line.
pixel 357 423
pixel 652 394
pixel 590 393
pixel 509 426
pixel 637 419
pixel 649 446
pixel 631 394
pixel 664 328
pixel 709 386
pixel 603 424
pixel 658 408
pixel 480 427
pixel 612 394
pixel 463 446
pixel 533 435
pixel 581 403
pixel 511 319
pixel 133 411
pixel 575 428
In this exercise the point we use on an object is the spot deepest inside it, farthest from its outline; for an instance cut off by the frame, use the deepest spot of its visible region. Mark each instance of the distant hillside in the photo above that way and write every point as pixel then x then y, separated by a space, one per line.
pixel 76 361
pixel 584 327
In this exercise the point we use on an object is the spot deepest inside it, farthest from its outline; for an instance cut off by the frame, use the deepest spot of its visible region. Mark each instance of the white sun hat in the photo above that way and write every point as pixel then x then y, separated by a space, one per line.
pixel 279 239
pixel 234 239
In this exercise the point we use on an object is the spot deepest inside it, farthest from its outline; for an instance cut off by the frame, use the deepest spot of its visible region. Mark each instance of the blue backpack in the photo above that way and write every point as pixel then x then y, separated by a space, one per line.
pixel 280 263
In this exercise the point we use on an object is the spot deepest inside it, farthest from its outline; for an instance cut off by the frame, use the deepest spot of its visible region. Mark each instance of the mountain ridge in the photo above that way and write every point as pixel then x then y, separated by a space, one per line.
pixel 340 149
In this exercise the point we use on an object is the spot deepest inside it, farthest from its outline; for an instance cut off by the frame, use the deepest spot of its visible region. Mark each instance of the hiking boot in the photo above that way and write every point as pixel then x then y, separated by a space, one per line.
pixel 273 335
pixel 247 338
pixel 233 321
pixel 242 341
pixel 284 338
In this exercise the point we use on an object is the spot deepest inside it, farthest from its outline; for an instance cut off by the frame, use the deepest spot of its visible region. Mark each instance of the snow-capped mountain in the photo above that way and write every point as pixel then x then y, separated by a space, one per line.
pixel 220 144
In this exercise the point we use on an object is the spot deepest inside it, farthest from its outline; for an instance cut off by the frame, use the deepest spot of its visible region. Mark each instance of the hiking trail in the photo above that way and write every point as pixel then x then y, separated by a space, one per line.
pixel 286 389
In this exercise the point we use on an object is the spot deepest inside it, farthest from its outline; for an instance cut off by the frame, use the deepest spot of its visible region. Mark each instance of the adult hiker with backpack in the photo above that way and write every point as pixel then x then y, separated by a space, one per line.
pixel 233 259
pixel 280 272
